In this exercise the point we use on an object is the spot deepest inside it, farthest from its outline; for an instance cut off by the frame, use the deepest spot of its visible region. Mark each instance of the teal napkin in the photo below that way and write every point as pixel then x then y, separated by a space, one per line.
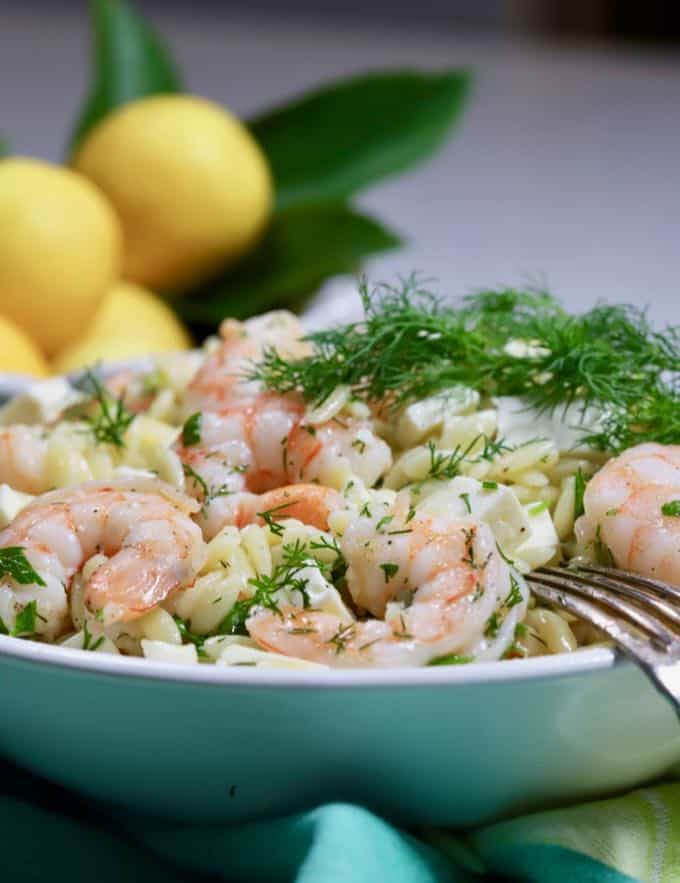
pixel 49 834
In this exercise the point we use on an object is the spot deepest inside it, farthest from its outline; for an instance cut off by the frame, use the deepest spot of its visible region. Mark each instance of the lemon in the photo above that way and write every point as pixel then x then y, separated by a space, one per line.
pixel 132 322
pixel 190 184
pixel 18 353
pixel 60 247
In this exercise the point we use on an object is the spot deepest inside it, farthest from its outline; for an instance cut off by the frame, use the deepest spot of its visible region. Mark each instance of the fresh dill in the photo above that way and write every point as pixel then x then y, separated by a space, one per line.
pixel 411 344
pixel 285 576
pixel 339 640
pixel 189 637
pixel 112 419
pixel 269 517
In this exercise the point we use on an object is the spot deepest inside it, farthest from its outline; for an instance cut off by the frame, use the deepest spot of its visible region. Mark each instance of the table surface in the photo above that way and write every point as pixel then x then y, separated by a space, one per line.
pixel 563 173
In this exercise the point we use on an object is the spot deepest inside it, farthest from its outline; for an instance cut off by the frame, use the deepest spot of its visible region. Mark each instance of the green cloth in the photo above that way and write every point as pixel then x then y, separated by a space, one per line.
pixel 49 834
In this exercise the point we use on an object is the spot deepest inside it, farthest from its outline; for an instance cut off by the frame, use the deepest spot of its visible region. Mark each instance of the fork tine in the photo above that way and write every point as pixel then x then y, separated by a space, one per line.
pixel 619 632
pixel 642 595
pixel 651 626
pixel 656 585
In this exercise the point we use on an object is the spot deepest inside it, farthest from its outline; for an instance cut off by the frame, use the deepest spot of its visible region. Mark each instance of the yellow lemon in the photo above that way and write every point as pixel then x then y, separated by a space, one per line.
pixel 18 353
pixel 130 323
pixel 60 247
pixel 190 184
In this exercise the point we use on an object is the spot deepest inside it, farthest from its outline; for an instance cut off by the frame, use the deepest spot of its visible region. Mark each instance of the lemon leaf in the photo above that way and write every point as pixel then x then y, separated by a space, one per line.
pixel 130 61
pixel 303 246
pixel 334 141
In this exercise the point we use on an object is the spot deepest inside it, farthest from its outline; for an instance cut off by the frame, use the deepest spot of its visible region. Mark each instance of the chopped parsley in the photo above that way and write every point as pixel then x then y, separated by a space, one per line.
pixel 671 509
pixel 25 621
pixel 15 564
pixel 451 659
pixel 191 431
pixel 390 570
pixel 88 642
pixel 490 485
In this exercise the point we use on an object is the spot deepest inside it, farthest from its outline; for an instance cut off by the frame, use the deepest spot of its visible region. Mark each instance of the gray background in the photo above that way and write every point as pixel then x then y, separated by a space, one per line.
pixel 563 172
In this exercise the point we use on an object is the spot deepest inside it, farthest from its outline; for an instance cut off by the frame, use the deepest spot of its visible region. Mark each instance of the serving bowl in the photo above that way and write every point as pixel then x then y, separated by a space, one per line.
pixel 456 746
pixel 451 746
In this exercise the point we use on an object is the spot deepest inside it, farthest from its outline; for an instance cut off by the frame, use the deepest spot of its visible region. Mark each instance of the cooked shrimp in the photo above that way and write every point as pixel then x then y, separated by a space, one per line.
pixel 623 510
pixel 143 527
pixel 23 455
pixel 433 583
pixel 309 503
pixel 253 440
pixel 220 381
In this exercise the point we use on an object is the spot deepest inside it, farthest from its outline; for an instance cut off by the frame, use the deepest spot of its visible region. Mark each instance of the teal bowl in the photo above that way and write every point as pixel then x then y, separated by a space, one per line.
pixel 453 746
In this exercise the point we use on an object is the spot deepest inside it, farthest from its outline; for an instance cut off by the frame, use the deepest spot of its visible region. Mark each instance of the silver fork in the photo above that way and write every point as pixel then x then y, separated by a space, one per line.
pixel 639 614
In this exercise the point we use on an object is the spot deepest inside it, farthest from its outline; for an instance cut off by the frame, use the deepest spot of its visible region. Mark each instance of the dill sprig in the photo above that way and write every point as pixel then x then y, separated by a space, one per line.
pixel 112 420
pixel 286 575
pixel 412 344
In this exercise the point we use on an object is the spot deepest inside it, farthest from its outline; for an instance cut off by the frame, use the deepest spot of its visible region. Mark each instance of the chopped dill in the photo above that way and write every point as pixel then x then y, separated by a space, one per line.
pixel 339 640
pixel 412 344
pixel 111 422
pixel 189 637
pixel 270 520
pixel 285 576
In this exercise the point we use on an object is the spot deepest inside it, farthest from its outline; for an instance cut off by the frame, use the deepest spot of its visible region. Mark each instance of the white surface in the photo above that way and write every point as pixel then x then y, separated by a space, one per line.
pixel 565 169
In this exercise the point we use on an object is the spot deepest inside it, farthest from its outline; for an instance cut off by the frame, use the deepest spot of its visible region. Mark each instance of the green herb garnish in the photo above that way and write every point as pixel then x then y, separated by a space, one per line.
pixel 111 422
pixel 579 491
pixel 671 509
pixel 15 564
pixel 191 431
pixel 451 659
pixel 390 570
pixel 189 637
pixel 25 621
pixel 411 344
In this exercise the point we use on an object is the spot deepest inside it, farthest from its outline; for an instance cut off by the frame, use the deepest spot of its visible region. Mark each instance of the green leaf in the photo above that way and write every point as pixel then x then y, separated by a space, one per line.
pixel 336 140
pixel 25 621
pixel 304 246
pixel 191 431
pixel 671 509
pixel 451 659
pixel 15 564
pixel 130 61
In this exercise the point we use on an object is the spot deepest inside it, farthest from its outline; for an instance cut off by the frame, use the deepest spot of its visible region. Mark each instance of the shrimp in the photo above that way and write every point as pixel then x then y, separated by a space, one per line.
pixel 311 504
pixel 623 506
pixel 254 440
pixel 23 457
pixel 435 585
pixel 221 380
pixel 144 528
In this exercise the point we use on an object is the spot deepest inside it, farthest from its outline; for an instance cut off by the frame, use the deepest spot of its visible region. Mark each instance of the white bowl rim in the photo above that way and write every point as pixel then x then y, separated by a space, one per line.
pixel 583 661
